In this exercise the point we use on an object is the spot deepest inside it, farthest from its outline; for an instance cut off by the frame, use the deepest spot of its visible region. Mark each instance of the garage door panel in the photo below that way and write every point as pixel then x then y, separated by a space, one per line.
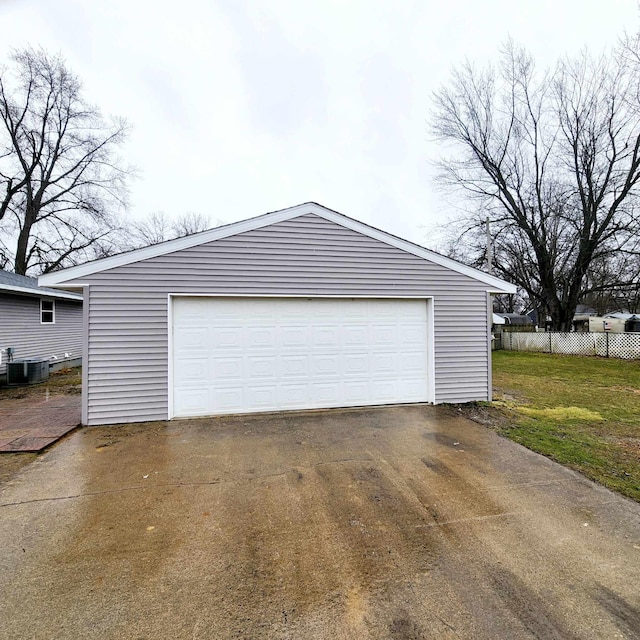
pixel 225 369
pixel 355 309
pixel 413 362
pixel 386 389
pixel 292 310
pixel 294 396
pixel 355 336
pixel 294 366
pixel 226 338
pixel 412 390
pixel 412 335
pixel 326 394
pixel 262 397
pixel 197 310
pixel 356 391
pixel 225 315
pixel 384 363
pixel 385 312
pixel 324 365
pixel 225 400
pixel 384 335
pixel 262 367
pixel 259 314
pixel 192 402
pixel 238 355
pixel 192 338
pixel 294 337
pixel 192 370
pixel 261 338
pixel 327 308
pixel 355 364
pixel 325 336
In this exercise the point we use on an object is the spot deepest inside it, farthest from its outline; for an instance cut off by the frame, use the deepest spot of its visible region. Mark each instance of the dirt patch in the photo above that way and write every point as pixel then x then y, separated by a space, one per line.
pixel 485 414
pixel 64 381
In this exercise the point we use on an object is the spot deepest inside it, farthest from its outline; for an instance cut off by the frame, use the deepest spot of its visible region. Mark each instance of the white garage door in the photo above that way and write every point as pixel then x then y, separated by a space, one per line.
pixel 236 355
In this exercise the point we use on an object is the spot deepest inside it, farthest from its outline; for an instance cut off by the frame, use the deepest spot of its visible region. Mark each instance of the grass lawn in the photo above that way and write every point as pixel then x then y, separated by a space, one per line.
pixel 582 412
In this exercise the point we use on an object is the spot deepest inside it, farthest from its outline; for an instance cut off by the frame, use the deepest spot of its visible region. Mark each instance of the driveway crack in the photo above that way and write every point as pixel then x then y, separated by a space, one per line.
pixel 108 491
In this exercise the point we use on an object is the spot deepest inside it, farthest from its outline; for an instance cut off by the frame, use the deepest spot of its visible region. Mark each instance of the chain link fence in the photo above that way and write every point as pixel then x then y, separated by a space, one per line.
pixel 606 345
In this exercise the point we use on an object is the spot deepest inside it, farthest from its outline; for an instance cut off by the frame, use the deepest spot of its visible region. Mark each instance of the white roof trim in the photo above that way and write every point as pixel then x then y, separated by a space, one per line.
pixel 40 293
pixel 60 277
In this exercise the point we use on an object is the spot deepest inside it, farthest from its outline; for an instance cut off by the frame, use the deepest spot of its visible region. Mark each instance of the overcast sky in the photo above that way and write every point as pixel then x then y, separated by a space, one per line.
pixel 241 107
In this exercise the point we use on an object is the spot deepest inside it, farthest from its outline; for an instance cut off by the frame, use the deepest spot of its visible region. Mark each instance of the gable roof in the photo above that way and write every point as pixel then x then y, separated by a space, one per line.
pixel 60 277
pixel 15 283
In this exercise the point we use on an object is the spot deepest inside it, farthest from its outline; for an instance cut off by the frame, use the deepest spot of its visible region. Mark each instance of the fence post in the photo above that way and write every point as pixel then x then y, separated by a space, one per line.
pixel 550 343
pixel 607 343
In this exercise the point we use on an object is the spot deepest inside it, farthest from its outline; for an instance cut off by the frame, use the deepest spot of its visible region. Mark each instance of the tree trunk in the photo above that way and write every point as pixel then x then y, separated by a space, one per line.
pixel 21 262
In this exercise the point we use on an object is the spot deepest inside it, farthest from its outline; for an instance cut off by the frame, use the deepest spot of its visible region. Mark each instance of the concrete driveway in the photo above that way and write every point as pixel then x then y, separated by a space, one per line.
pixel 401 523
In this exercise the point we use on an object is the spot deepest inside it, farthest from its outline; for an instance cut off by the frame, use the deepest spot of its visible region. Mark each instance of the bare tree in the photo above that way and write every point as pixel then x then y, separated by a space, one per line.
pixel 158 227
pixel 554 159
pixel 613 284
pixel 61 182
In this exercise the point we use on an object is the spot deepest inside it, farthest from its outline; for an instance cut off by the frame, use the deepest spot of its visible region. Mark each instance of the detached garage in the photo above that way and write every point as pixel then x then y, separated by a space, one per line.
pixel 296 309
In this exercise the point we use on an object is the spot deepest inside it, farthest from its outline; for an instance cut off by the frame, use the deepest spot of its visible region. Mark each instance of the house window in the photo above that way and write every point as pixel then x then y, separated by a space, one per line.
pixel 47 312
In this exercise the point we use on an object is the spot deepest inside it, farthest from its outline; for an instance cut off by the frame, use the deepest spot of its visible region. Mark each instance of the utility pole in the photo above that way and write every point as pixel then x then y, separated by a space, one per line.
pixel 489 248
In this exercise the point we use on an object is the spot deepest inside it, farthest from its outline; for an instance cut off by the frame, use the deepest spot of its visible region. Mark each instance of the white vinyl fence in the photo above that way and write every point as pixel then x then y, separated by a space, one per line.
pixel 607 345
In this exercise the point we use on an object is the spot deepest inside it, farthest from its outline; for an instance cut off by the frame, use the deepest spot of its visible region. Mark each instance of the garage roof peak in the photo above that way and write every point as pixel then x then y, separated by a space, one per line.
pixel 59 278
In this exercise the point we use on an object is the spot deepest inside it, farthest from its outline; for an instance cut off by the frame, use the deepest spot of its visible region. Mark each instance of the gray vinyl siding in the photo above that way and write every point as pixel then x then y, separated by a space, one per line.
pixel 21 329
pixel 128 337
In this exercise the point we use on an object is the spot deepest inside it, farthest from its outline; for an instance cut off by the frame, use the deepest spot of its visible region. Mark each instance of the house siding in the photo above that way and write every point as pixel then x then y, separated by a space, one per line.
pixel 21 329
pixel 127 356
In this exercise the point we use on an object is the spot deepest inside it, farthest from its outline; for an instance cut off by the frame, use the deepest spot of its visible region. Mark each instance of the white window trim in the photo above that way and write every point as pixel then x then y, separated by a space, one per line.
pixel 53 310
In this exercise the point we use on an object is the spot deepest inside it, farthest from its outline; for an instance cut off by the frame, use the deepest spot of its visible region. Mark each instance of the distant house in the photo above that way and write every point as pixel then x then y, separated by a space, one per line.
pixel 497 321
pixel 631 320
pixel 606 324
pixel 581 318
pixel 37 322
pixel 515 319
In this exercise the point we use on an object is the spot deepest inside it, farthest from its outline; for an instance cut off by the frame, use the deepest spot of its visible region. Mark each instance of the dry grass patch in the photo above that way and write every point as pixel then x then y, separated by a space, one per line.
pixel 560 414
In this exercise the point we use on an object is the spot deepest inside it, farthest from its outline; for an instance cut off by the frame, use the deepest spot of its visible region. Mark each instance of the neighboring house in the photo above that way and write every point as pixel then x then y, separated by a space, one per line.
pixel 516 319
pixel 581 317
pixel 296 309
pixel 37 322
pixel 497 325
pixel 580 322
pixel 633 324
pixel 631 320
pixel 498 321
pixel 606 324
pixel 617 322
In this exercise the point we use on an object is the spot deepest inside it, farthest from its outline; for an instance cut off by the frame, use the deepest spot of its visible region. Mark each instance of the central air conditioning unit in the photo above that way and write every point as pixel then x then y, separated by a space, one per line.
pixel 27 371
